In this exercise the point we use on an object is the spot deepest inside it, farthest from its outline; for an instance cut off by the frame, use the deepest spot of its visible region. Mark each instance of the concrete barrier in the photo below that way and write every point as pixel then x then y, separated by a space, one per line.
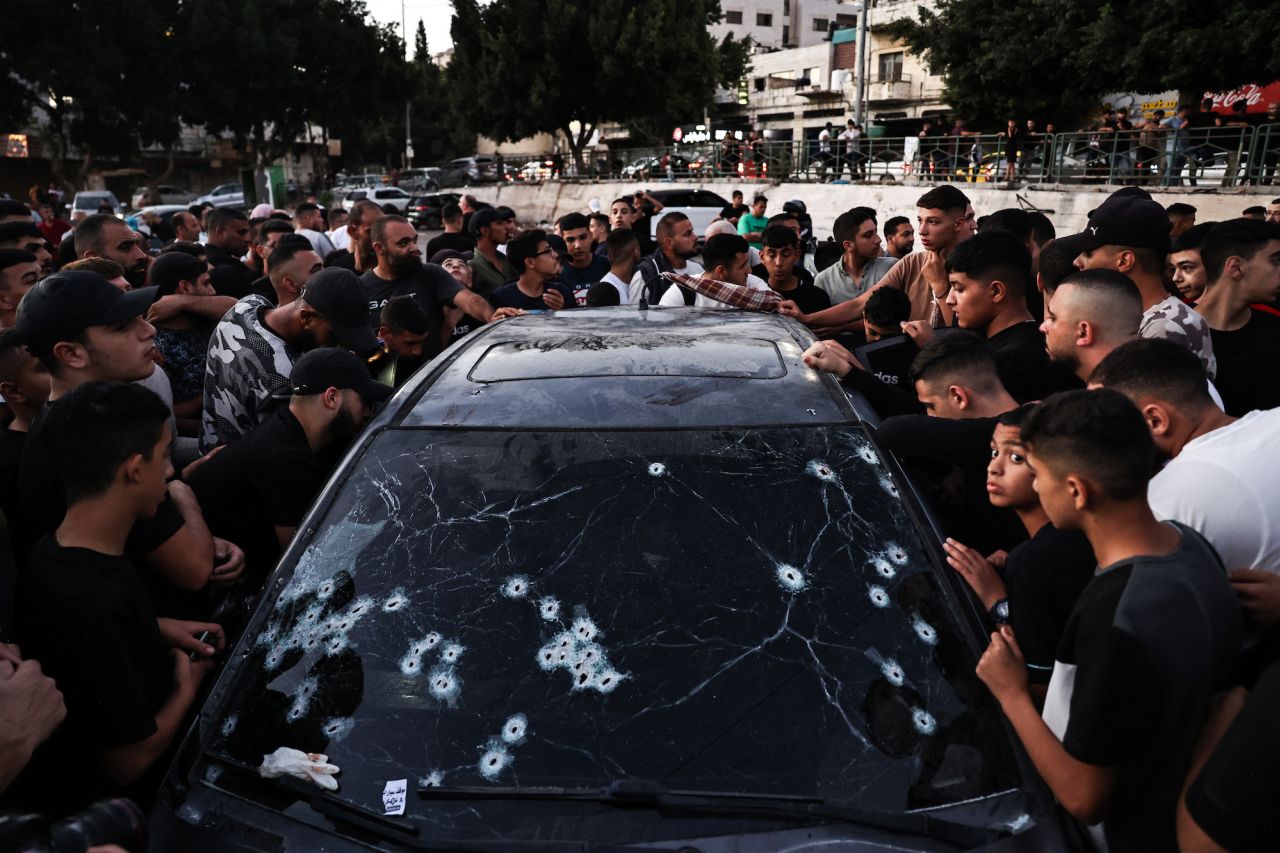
pixel 1067 208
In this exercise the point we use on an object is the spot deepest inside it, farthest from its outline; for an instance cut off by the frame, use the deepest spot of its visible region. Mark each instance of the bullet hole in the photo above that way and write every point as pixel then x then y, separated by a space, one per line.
pixel 434 779
pixel 302 699
pixel 325 589
pixel 451 653
pixel 590 654
pixel 229 725
pixel 517 586
pixel 411 664
pixel 494 760
pixel 313 614
pixel 582 681
pixel 361 606
pixel 338 728
pixel 657 469
pixel 445 685
pixel 888 486
pixel 549 658
pixel 924 630
pixel 884 568
pixel 268 635
pixel 273 659
pixel 878 596
pixel 584 629
pixel 548 608
pixel 821 470
pixel 563 640
pixel 866 454
pixel 311 642
pixel 893 672
pixel 395 601
pixel 923 721
pixel 606 680
pixel 420 647
pixel 513 730
pixel 336 644
pixel 897 554
pixel 791 579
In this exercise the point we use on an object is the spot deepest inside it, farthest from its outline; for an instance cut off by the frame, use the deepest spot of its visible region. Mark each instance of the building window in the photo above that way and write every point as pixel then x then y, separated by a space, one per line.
pixel 733 17
pixel 760 83
pixel 845 21
pixel 821 25
pixel 764 19
pixel 891 67
pixel 786 35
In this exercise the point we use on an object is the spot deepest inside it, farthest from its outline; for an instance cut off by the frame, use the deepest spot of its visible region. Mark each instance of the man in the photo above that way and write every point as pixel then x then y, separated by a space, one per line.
pixel 259 488
pixel 400 272
pixel 27 237
pixel 727 258
pixel 676 246
pixel 104 236
pixel 84 329
pixel 1242 262
pixel 752 224
pixel 19 270
pixel 1273 211
pixel 899 237
pixel 825 159
pixel 622 214
pixel 861 266
pixel 490 269
pixel 255 345
pixel 1188 267
pixel 292 263
pixel 52 226
pixel 850 142
pixel 457 322
pixel 1181 217
pixel 263 239
pixel 402 331
pixel 127 703
pixel 358 256
pixel 186 228
pixel 786 219
pixel 624 254
pixel 227 243
pixel 781 249
pixel 582 268
pixel 338 228
pixel 308 220
pixel 1130 234
pixel 598 225
pixel 1255 211
pixel 24 384
pixel 453 237
pixel 1088 315
pixel 536 288
pixel 183 339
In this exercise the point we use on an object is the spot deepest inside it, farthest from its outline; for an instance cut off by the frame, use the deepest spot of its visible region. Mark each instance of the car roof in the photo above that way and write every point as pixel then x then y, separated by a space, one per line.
pixel 626 368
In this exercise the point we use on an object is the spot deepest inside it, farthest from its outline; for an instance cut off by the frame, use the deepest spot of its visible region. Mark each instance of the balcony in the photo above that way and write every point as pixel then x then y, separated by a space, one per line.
pixel 889 89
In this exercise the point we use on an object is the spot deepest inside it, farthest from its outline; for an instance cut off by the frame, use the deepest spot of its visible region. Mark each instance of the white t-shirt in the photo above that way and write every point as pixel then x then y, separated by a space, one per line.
pixel 623 288
pixel 319 241
pixel 637 280
pixel 1226 486
pixel 824 141
pixel 339 238
pixel 674 297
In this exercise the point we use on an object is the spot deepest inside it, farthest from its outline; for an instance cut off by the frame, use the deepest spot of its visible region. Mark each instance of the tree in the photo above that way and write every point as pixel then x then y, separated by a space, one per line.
pixel 522 67
pixel 420 52
pixel 1055 59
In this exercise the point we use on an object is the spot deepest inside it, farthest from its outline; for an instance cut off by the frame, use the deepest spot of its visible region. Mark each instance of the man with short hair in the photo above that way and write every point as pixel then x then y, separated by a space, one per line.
pixel 258 489
pixel 752 224
pixel 490 269
pixel 183 339
pixel 263 239
pixel 727 258
pixel 1242 263
pixel 582 268
pixel 598 225
pixel 1089 314
pixel 308 220
pixel 291 265
pixel 255 346
pixel 24 384
pixel 403 329
pixel 787 219
pixel 1181 217
pixel 899 237
pixel 677 244
pixel 19 271
pixel 622 214
pixel 358 256
pixel 453 237
pixel 624 253
pixel 227 243
pixel 537 287
pixel 1188 267
pixel 1255 211
pixel 105 236
pixel 1129 233
pixel 186 228
pixel 861 266
pixel 781 250
pixel 28 237
pixel 1273 211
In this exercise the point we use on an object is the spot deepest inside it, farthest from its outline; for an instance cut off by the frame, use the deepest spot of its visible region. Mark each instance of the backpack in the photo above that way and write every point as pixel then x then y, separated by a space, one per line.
pixel 651 269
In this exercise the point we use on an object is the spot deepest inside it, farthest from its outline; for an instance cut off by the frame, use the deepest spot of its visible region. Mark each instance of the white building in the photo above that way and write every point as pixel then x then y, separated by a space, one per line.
pixel 782 24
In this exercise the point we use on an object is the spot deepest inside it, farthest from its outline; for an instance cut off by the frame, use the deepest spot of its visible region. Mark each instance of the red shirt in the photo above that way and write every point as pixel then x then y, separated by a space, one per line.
pixel 54 229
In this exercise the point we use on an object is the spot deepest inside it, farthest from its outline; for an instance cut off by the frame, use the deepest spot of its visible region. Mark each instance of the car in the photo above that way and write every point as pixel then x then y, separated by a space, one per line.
pixel 382 196
pixel 90 201
pixel 621 579
pixel 668 165
pixel 224 195
pixel 701 206
pixel 534 171
pixel 465 171
pixel 160 194
pixel 422 180
pixel 425 211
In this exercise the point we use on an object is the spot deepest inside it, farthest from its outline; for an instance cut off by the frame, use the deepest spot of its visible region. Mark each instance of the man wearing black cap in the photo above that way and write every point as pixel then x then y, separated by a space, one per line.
pixel 490 268
pixel 1130 233
pixel 85 329
pixel 257 490
pixel 254 347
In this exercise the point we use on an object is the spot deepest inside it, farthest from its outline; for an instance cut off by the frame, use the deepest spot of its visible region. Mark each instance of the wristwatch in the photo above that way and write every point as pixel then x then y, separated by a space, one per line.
pixel 1000 611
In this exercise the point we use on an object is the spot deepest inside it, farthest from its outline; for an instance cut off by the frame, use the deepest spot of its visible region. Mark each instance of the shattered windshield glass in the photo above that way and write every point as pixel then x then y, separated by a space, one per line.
pixel 745 610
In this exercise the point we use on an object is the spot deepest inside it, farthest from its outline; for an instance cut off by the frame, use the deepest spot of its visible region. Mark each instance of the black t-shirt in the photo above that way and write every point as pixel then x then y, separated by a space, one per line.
pixel 263 480
pixel 1247 377
pixel 342 258
pixel 431 286
pixel 86 618
pixel 511 296
pixel 580 280
pixel 43 503
pixel 1234 797
pixel 458 241
pixel 229 276
pixel 1151 639
pixel 1022 362
pixel 1044 577
pixel 948 459
pixel 807 296
pixel 802 274
pixel 11 445
pixel 262 287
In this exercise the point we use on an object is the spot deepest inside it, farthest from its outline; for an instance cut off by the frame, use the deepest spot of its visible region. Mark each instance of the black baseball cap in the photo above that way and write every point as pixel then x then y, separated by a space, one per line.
pixel 1123 220
pixel 448 254
pixel 334 367
pixel 338 294
pixel 64 304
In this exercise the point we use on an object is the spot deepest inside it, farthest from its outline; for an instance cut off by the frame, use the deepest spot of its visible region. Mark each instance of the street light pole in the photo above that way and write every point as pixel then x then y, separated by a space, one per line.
pixel 408 135
pixel 862 63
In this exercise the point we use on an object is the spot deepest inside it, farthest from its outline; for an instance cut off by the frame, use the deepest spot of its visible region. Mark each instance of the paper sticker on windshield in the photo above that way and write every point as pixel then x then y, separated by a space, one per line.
pixel 393 796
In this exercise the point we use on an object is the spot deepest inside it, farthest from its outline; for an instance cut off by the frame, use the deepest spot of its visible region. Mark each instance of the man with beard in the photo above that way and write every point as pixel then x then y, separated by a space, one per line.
pixel 258 489
pixel 28 237
pixel 254 347
pixel 105 236
pixel 676 245
pixel 227 244
pixel 400 272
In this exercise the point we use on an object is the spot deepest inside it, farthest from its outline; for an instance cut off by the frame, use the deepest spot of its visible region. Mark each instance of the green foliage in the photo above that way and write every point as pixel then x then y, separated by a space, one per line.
pixel 522 67
pixel 1054 59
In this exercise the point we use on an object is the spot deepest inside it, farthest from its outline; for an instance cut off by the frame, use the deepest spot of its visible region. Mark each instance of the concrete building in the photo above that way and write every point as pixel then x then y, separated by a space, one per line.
pixel 783 24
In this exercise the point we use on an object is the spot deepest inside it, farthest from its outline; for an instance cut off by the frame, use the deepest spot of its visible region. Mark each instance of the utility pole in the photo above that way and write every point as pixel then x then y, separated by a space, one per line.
pixel 862 63
pixel 408 135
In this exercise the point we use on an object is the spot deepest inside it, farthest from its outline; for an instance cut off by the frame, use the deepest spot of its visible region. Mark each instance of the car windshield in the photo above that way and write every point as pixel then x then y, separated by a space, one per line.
pixel 721 610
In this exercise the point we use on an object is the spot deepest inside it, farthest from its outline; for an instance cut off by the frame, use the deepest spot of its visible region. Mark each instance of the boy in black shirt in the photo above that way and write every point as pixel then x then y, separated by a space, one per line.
pixel 779 256
pixel 1153 636
pixel 84 615
pixel 537 266
pixel 24 384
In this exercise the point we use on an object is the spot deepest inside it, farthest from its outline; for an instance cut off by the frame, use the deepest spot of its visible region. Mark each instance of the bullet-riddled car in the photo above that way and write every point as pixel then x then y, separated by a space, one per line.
pixel 613 579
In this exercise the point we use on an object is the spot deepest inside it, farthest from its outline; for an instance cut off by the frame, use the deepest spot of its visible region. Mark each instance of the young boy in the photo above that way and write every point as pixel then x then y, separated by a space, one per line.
pixel 1043 577
pixel 402 330
pixel 24 384
pixel 1153 636
pixel 887 309
pixel 779 255
pixel 82 611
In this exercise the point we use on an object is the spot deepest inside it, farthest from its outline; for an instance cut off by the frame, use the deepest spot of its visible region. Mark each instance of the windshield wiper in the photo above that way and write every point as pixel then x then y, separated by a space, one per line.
pixel 790 807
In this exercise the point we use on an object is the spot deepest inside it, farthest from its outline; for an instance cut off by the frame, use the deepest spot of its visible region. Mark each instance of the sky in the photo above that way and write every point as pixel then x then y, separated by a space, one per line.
pixel 435 14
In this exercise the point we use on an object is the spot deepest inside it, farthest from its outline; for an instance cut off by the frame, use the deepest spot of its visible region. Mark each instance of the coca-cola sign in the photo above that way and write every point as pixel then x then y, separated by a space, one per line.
pixel 1256 97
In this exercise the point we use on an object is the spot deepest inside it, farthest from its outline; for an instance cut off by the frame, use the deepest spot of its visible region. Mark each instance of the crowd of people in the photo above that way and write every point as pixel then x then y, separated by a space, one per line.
pixel 1091 417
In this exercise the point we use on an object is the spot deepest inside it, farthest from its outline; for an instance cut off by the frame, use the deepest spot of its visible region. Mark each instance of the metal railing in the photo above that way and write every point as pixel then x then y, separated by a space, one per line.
pixel 1202 157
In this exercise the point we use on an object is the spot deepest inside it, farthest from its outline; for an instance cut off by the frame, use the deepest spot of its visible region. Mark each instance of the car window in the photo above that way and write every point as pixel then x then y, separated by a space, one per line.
pixel 706 198
pixel 648 354
pixel 743 610
pixel 677 198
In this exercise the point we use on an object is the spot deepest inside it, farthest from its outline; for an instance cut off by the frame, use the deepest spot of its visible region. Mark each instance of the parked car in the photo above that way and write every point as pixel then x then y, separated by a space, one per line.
pixel 90 201
pixel 160 194
pixel 545 604
pixel 425 211
pixel 224 195
pixel 669 164
pixel 465 171
pixel 420 180
pixel 382 196
pixel 701 206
